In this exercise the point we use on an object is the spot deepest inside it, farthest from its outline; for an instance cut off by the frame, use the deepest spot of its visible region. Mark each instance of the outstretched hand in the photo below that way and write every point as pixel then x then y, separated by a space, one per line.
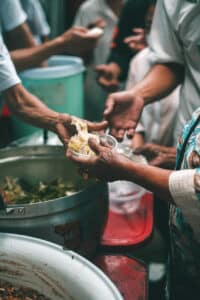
pixel 158 156
pixel 123 111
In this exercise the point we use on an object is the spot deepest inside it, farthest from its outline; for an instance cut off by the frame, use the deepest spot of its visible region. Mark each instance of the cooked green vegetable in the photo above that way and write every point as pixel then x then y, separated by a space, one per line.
pixel 18 191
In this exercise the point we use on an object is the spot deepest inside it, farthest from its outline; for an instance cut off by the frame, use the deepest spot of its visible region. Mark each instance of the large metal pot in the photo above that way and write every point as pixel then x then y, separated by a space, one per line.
pixel 46 268
pixel 76 221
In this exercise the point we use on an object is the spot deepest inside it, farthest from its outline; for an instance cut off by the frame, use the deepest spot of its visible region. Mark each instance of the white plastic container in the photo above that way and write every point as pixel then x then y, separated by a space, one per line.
pixel 125 196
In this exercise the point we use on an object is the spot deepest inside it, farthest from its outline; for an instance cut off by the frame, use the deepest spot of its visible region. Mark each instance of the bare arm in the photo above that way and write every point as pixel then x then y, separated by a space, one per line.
pixel 30 108
pixel 20 37
pixel 74 41
pixel 34 56
pixel 152 178
pixel 159 82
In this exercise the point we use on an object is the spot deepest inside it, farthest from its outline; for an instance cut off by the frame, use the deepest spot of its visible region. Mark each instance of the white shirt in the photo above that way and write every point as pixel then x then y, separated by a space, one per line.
pixel 36 18
pixel 11 15
pixel 175 37
pixel 157 121
pixel 8 75
pixel 88 12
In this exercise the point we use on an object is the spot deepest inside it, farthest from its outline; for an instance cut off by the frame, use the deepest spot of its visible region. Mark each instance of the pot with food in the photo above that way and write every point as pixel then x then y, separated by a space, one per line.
pixel 45 197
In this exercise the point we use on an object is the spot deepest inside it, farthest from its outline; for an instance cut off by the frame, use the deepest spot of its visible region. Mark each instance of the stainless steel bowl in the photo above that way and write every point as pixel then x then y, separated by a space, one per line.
pixel 75 222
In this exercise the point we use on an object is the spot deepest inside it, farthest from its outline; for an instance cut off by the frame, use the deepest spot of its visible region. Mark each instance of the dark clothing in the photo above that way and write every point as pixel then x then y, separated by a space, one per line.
pixel 133 15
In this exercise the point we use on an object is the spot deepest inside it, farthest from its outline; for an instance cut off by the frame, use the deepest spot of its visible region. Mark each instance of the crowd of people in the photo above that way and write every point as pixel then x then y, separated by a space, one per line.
pixel 143 80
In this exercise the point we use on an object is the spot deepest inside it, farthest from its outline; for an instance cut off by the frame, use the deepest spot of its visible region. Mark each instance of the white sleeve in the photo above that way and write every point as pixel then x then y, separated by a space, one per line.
pixel 184 187
pixel 163 42
pixel 11 14
pixel 181 186
pixel 8 75
pixel 36 17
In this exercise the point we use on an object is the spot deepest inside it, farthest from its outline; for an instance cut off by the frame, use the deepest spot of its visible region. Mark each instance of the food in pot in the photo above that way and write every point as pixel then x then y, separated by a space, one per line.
pixel 11 292
pixel 79 142
pixel 19 191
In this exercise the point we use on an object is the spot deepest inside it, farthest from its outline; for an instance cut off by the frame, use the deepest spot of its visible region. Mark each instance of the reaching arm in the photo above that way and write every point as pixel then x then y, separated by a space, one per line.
pixel 74 41
pixel 159 82
pixel 30 108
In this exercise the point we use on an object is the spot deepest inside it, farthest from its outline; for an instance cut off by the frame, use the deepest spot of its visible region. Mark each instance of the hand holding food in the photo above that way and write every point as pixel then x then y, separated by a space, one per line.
pixel 68 126
pixel 106 164
pixel 78 143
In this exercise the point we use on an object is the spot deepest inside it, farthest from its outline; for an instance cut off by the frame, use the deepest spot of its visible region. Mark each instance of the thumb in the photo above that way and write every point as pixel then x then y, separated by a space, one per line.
pixel 100 68
pixel 94 145
pixel 97 126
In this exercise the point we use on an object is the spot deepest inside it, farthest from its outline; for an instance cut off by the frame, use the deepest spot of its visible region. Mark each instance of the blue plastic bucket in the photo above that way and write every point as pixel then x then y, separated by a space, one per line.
pixel 60 86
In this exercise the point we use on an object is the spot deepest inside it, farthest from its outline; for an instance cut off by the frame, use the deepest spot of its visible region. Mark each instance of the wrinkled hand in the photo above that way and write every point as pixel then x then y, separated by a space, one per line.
pixel 76 41
pixel 136 42
pixel 108 76
pixel 122 112
pixel 159 156
pixel 65 129
pixel 107 165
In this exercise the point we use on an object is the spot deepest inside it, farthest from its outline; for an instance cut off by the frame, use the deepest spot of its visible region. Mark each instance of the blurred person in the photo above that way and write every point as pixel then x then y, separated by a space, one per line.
pixel 157 121
pixel 36 20
pixel 103 14
pixel 28 107
pixel 114 72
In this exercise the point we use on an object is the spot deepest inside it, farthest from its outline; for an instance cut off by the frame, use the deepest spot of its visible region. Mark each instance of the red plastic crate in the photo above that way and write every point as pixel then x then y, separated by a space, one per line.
pixel 129 229
pixel 129 275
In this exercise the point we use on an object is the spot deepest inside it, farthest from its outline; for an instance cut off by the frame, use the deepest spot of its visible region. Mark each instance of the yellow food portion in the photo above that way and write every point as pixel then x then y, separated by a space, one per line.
pixel 79 142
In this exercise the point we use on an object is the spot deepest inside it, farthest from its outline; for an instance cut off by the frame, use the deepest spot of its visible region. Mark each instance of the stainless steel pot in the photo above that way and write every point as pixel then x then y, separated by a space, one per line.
pixel 76 221
pixel 46 268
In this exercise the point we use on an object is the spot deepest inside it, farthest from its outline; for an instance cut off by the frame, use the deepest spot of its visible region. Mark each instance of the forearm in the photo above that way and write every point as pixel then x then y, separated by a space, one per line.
pixel 30 108
pixel 34 56
pixel 159 82
pixel 152 178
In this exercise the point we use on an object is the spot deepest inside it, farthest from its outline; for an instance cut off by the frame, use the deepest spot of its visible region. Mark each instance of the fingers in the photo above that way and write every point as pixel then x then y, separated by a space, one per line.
pixel 138 30
pixel 85 161
pixel 80 29
pixel 94 145
pixel 109 106
pixel 109 85
pixel 63 134
pixel 100 68
pixel 97 126
pixel 130 133
pixel 130 39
